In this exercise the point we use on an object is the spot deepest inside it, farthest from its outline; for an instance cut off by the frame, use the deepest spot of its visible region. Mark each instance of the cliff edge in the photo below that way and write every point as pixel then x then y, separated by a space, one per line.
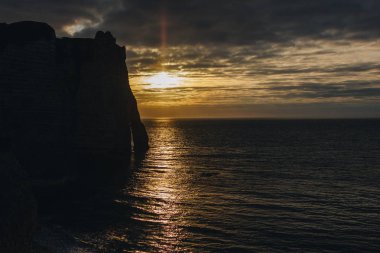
pixel 60 97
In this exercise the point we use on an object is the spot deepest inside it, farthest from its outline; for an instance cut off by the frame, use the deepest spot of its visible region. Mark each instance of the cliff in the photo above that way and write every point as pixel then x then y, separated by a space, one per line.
pixel 64 97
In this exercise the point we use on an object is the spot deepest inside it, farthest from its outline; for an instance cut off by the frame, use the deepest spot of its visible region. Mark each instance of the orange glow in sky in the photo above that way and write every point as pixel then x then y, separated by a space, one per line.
pixel 163 80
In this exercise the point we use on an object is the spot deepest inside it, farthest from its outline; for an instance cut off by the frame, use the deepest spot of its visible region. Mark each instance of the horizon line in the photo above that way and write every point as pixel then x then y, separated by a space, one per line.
pixel 260 118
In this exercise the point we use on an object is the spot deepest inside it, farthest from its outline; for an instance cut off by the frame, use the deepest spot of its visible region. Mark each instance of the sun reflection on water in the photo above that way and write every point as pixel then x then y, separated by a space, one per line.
pixel 163 183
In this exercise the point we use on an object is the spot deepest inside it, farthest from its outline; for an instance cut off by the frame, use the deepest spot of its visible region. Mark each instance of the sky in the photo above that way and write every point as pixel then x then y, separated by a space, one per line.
pixel 234 58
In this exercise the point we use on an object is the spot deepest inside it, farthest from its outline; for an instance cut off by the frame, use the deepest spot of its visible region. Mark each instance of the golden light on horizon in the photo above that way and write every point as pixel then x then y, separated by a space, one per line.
pixel 163 80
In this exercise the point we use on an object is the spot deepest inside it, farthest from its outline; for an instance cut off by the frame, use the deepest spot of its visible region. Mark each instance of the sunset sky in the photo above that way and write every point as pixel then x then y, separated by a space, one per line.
pixel 234 58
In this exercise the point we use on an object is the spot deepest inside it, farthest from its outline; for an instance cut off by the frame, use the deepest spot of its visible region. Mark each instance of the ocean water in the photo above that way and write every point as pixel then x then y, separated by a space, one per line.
pixel 244 186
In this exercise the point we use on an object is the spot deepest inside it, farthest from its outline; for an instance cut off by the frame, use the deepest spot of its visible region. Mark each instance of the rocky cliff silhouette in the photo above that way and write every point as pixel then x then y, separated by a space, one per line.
pixel 67 120
pixel 60 97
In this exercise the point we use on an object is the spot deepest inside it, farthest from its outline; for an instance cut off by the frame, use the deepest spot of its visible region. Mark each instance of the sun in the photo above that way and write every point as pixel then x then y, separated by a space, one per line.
pixel 163 80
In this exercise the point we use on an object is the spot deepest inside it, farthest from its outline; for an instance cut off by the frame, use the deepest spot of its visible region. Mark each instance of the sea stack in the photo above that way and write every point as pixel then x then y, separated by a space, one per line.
pixel 64 97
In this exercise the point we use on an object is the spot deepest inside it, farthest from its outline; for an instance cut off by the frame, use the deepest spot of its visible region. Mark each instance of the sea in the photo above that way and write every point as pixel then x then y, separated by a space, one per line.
pixel 239 185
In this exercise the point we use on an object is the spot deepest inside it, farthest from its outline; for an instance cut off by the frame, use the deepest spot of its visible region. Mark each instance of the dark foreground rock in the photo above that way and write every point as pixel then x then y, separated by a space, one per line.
pixel 64 97
pixel 18 210
pixel 68 118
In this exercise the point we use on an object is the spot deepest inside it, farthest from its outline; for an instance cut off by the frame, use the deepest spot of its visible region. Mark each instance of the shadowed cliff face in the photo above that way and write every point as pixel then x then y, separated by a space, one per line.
pixel 60 97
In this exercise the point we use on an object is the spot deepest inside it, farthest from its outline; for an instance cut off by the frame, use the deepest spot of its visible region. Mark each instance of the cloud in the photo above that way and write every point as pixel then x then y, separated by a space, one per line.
pixel 243 22
pixel 243 52
pixel 212 22
pixel 67 17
